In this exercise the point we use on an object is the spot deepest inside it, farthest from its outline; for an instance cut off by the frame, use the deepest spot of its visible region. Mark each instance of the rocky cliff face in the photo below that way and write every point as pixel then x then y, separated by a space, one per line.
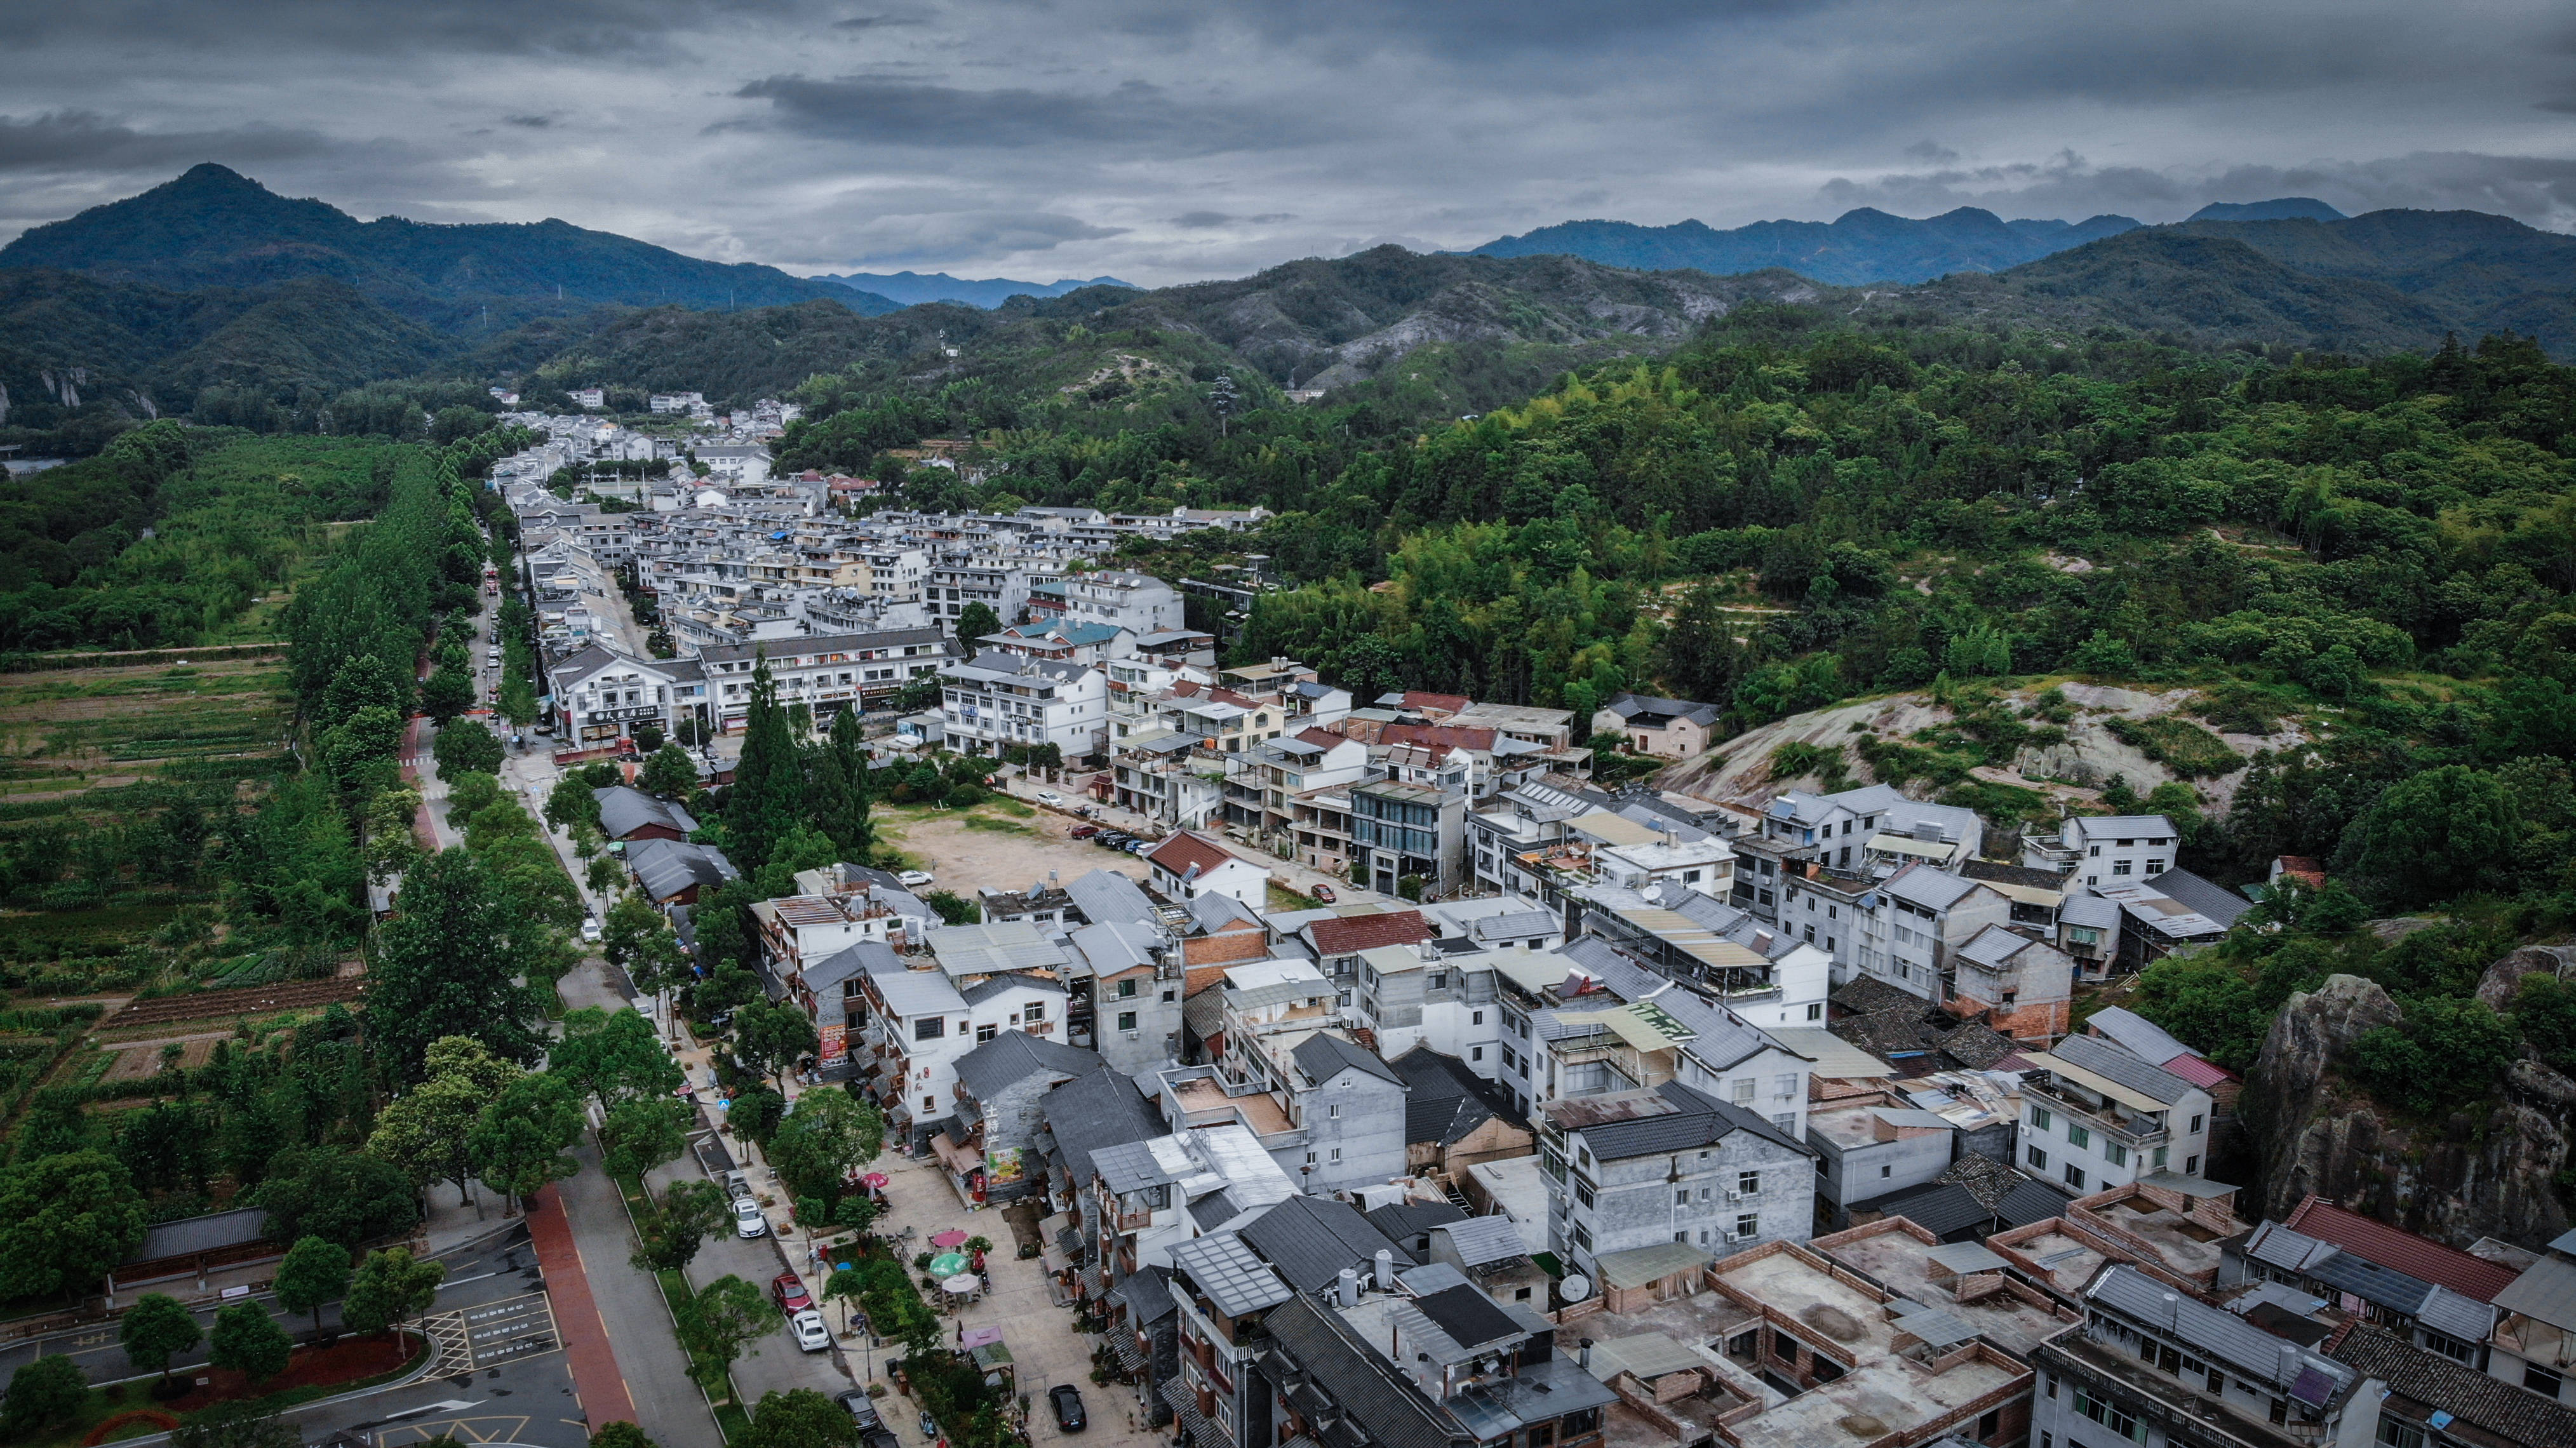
pixel 2475 1174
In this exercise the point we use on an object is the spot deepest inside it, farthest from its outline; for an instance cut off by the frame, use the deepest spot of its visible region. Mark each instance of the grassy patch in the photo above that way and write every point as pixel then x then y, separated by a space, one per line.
pixel 999 827
pixel 2190 751
pixel 2237 707
pixel 1283 898
pixel 1004 804
pixel 1798 759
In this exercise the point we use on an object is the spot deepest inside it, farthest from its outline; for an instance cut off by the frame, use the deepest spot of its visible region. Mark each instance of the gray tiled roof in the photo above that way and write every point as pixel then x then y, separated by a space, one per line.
pixel 2141 1037
pixel 1386 1414
pixel 1098 1110
pixel 1130 1166
pixel 2102 1058
pixel 2215 901
pixel 1940 1208
pixel 1482 1240
pixel 1311 1239
pixel 1235 1280
pixel 2247 1350
pixel 624 810
pixel 1013 1056
pixel 1105 895
pixel 1324 1056
pixel 1406 1222
pixel 1148 1294
pixel 867 957
pixel 1702 1121
pixel 2468 1395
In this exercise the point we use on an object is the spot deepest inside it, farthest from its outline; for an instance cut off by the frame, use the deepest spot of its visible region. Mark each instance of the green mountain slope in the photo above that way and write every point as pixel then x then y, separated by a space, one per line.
pixel 2483 273
pixel 215 227
pixel 1866 245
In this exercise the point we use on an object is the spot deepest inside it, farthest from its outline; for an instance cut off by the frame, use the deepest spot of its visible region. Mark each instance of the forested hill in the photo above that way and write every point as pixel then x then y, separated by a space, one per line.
pixel 216 227
pixel 1857 247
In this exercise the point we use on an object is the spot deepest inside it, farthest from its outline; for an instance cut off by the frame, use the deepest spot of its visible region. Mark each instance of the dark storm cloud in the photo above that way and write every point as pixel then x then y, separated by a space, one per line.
pixel 530 123
pixel 82 140
pixel 397 30
pixel 1134 115
pixel 873 22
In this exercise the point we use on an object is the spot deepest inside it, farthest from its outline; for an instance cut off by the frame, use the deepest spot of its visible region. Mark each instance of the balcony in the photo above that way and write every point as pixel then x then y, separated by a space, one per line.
pixel 2050 848
pixel 2134 1131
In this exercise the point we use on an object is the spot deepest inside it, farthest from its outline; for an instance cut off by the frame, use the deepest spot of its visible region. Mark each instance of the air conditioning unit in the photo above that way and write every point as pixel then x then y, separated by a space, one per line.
pixel 1735 1236
pixel 1734 1196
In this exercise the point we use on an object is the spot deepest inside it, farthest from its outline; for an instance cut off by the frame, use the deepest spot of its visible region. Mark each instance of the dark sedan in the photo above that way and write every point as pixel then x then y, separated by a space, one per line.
pixel 1067 1401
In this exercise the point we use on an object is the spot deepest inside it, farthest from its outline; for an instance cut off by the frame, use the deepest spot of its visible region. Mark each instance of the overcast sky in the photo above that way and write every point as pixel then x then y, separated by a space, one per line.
pixel 1170 140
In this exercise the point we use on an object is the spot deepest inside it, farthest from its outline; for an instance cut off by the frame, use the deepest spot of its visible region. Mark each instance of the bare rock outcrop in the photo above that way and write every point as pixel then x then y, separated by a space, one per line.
pixel 2490 1171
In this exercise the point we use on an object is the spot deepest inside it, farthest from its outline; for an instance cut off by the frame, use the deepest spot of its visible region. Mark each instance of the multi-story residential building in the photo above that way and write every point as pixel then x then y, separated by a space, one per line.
pixel 599 695
pixel 2099 850
pixel 1186 866
pixel 984 979
pixel 1410 823
pixel 1262 785
pixel 1669 1165
pixel 1225 1293
pixel 1601 848
pixel 998 700
pixel 1138 602
pixel 1755 970
pixel 2533 1345
pixel 2434 1402
pixel 1126 988
pixel 2095 1116
pixel 1869 1146
pixel 826 673
pixel 1000 1087
pixel 958 580
pixel 1427 1360
pixel 2020 985
pixel 1905 930
pixel 1839 831
pixel 2156 1367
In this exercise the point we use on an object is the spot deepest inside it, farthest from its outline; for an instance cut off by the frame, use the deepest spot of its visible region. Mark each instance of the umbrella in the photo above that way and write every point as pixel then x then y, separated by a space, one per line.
pixel 875 1181
pixel 963 1282
pixel 947 1264
pixel 950 1238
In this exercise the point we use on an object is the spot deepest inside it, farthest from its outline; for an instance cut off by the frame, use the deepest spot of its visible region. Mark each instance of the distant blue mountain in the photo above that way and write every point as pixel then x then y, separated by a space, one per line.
pixel 1861 246
pixel 911 287
pixel 2286 208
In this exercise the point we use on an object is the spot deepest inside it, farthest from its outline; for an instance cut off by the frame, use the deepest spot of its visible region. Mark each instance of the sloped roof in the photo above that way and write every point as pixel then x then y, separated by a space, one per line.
pixel 1102 1108
pixel 1351 934
pixel 1380 1410
pixel 1687 1119
pixel 2213 900
pixel 1402 1222
pixel 1186 850
pixel 2102 1058
pixel 1106 896
pixel 1311 1239
pixel 1444 1100
pixel 1480 1241
pixel 1324 1056
pixel 1939 1208
pixel 2143 1038
pixel 623 810
pixel 1013 1056
pixel 865 958
pixel 2400 1250
pixel 2435 1382
pixel 1235 1280
pixel 669 867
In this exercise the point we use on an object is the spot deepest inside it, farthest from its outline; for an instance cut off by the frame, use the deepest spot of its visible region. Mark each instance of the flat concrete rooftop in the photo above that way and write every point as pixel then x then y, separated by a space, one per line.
pixel 1899 1260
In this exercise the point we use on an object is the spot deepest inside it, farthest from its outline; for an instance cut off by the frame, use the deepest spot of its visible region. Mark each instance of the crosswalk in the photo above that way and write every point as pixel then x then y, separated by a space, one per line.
pixel 494 1333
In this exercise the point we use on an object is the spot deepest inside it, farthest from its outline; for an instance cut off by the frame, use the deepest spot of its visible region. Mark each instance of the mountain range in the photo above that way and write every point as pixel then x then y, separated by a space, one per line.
pixel 214 281
pixel 214 227
pixel 909 288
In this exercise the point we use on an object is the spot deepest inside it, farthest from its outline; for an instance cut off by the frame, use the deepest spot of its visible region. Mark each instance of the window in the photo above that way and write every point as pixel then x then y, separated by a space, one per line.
pixel 2040 1119
pixel 2451 1347
pixel 1816 1012
pixel 1126 990
pixel 2038 1159
pixel 986 1032
pixel 1440 980
pixel 2155 867
pixel 930 1028
pixel 1787 1121
pixel 2108 1415
pixel 1748 1225
pixel 1886 1171
pixel 1784 1087
pixel 1475 1053
pixel 2540 1380
pixel 1126 1020
pixel 1310 1158
pixel 1475 1018
pixel 2396 1432
pixel 2119 867
pixel 1169 997
pixel 2118 1154
pixel 1034 1011
pixel 2075 1176
pixel 1681 1199
pixel 2160 1158
pixel 2191 1166
pixel 2077 1136
pixel 1749 1183
pixel 1337 1153
pixel 1743 1090
pixel 2195 1126
pixel 1582 1190
pixel 1333 1113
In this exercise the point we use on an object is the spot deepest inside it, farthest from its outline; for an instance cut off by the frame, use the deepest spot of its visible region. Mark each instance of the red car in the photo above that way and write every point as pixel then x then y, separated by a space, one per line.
pixel 789 1291
pixel 1323 895
pixel 1082 832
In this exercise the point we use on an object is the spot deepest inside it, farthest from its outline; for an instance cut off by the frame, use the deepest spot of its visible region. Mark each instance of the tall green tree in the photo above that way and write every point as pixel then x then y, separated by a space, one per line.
pixel 44 1392
pixel 331 1192
pixel 520 1139
pixel 313 1274
pixel 725 1316
pixel 424 1130
pixel 671 771
pixel 643 1133
pixel 1699 657
pixel 466 747
pixel 673 1230
pixel 800 1418
pixel 64 1221
pixel 768 794
pixel 828 1136
pixel 155 1329
pixel 388 1289
pixel 451 964
pixel 248 1341
pixel 770 1036
pixel 613 1056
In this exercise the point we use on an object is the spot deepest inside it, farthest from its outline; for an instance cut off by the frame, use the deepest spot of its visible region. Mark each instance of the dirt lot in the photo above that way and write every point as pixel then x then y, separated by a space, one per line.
pixel 973 851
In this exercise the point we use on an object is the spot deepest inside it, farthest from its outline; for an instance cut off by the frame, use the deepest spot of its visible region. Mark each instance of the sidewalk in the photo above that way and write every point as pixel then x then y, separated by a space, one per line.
pixel 646 1355
pixel 596 1376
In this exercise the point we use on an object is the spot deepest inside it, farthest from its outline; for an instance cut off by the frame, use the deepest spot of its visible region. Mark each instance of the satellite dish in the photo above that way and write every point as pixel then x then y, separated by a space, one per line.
pixel 1576 1287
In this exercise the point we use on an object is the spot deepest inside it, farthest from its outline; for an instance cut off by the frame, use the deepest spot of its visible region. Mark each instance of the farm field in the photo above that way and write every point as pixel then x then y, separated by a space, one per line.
pixel 70 738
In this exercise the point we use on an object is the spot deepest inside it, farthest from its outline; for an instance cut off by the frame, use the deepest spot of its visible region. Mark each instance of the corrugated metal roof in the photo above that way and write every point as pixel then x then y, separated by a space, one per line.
pixel 1638 1266
pixel 2160 1087
pixel 2248 1351
pixel 1479 1241
pixel 1235 1280
pixel 2142 1038
pixel 2545 1290
pixel 1834 1056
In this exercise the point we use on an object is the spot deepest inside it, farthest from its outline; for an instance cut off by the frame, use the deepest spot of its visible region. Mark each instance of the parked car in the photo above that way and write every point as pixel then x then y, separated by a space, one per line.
pixel 1323 895
pixel 747 1219
pixel 1137 847
pixel 809 1331
pixel 915 879
pixel 590 931
pixel 1082 832
pixel 1050 798
pixel 737 1187
pixel 1067 1401
pixel 788 1291
pixel 863 1411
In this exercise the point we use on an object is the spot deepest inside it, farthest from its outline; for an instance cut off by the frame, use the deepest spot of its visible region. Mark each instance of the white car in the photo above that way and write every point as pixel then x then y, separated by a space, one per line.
pixel 590 929
pixel 808 1330
pixel 1051 799
pixel 747 1220
pixel 915 879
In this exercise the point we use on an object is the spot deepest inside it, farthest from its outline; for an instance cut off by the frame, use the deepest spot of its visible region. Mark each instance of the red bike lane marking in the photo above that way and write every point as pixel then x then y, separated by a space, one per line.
pixel 595 1376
